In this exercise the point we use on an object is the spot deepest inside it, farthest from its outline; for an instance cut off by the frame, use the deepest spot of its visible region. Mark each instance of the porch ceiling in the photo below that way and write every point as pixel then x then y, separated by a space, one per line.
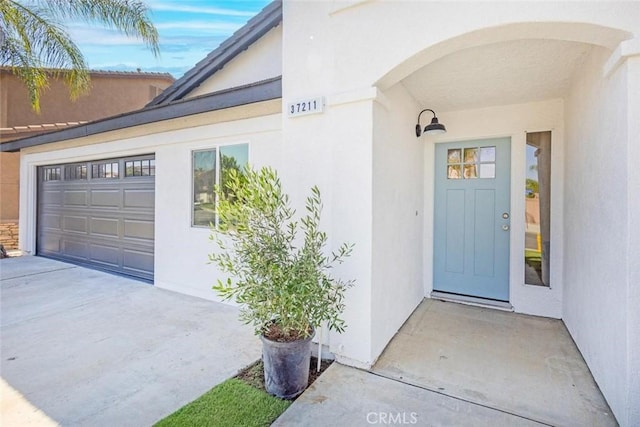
pixel 497 74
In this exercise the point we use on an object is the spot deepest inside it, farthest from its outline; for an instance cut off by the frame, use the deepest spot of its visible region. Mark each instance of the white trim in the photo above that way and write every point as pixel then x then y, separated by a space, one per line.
pixel 356 95
pixel 509 121
pixel 625 49
pixel 511 205
pixel 338 7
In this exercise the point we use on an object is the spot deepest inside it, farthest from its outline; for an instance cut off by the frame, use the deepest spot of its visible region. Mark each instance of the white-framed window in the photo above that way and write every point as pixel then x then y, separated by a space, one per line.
pixel 538 188
pixel 208 169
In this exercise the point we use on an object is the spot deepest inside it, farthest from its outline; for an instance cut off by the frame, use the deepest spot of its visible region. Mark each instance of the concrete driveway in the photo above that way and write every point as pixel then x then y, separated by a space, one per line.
pixel 82 347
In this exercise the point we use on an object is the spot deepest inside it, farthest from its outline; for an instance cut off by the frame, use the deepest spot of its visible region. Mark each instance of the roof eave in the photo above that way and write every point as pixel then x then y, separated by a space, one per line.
pixel 248 94
pixel 258 26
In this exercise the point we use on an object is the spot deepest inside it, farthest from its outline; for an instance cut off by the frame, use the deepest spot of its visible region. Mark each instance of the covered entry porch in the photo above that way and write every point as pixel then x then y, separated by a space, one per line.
pixel 454 364
pixel 518 364
pixel 512 88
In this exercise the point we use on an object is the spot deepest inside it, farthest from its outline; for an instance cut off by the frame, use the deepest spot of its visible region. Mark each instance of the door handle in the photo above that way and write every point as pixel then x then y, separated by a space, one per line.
pixel 505 227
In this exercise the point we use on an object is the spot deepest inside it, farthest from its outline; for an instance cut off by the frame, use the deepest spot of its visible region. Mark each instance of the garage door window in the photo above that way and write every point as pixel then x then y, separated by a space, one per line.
pixel 105 170
pixel 74 172
pixel 145 167
pixel 51 173
pixel 210 167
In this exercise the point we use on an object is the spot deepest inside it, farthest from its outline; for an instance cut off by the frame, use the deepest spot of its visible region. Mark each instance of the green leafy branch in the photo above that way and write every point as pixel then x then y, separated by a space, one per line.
pixel 272 279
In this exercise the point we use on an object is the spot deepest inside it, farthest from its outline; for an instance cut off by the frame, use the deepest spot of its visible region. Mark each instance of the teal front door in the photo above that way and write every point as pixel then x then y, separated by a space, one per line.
pixel 472 218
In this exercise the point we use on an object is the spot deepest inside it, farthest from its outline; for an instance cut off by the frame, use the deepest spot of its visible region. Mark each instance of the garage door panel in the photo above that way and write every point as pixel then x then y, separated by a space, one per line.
pixel 101 221
pixel 139 198
pixel 51 198
pixel 107 255
pixel 107 198
pixel 138 260
pixel 139 229
pixel 75 224
pixel 75 198
pixel 51 221
pixel 105 227
pixel 49 244
pixel 75 249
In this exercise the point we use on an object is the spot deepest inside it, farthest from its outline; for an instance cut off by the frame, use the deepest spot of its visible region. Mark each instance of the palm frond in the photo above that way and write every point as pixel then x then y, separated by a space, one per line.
pixel 37 48
pixel 127 16
pixel 35 44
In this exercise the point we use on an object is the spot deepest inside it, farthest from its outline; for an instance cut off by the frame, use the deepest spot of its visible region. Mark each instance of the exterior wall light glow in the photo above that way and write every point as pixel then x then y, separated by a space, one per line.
pixel 432 128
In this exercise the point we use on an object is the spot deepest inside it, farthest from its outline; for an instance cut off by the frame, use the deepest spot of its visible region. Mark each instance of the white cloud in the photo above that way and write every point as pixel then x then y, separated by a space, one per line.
pixel 211 27
pixel 85 35
pixel 170 32
pixel 178 7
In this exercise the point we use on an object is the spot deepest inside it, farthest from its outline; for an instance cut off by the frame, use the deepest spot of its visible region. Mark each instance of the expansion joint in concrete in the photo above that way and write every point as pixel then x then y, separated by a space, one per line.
pixel 441 392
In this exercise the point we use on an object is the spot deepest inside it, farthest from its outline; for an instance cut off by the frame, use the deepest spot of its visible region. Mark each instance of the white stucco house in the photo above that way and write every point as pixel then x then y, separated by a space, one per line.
pixel 329 93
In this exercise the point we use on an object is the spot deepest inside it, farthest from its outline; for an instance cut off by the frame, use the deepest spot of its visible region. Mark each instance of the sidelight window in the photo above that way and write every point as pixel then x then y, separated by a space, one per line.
pixel 538 209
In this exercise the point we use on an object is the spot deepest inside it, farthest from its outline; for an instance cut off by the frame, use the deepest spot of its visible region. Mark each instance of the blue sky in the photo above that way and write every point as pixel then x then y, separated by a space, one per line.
pixel 188 29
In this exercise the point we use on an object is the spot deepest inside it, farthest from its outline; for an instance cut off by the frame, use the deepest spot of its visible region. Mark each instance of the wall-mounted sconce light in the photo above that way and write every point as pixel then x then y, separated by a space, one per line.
pixel 432 128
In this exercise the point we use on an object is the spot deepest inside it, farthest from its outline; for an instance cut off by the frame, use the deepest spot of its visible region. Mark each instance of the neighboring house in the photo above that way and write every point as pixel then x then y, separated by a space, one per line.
pixel 435 216
pixel 111 93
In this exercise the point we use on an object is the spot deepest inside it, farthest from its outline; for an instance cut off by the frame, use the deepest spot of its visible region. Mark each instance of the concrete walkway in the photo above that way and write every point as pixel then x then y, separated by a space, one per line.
pixel 82 347
pixel 452 364
pixel 345 396
pixel 520 364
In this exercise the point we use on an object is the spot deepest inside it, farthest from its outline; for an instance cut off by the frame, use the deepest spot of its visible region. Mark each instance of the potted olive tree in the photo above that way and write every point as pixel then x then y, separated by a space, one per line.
pixel 279 272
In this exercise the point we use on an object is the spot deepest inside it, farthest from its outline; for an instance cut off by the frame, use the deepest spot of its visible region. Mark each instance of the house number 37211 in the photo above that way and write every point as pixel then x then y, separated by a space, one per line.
pixel 305 106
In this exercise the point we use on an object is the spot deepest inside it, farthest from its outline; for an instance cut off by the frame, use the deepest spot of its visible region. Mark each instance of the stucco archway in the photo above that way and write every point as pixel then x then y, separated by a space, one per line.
pixel 570 32
pixel 578 84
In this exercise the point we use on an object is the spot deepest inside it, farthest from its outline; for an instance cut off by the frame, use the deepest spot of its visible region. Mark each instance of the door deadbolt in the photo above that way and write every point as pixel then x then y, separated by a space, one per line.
pixel 505 215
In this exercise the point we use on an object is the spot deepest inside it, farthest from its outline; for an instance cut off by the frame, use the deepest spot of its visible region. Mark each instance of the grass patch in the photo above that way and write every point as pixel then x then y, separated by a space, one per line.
pixel 533 259
pixel 239 401
pixel 232 403
pixel 530 253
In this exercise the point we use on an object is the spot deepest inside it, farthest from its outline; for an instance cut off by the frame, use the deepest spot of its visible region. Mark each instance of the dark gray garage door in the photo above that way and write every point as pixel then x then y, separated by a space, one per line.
pixel 99 214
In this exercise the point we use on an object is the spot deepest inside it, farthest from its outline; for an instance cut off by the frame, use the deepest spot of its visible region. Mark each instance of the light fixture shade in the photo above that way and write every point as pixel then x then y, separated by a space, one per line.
pixel 434 127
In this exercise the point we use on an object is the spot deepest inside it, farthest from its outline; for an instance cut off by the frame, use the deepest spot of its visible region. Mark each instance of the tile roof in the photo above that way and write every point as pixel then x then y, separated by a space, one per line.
pixel 148 74
pixel 255 92
pixel 140 73
pixel 44 127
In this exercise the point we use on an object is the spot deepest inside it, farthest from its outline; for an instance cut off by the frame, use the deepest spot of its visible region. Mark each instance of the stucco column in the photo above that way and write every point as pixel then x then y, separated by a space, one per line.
pixel 633 249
